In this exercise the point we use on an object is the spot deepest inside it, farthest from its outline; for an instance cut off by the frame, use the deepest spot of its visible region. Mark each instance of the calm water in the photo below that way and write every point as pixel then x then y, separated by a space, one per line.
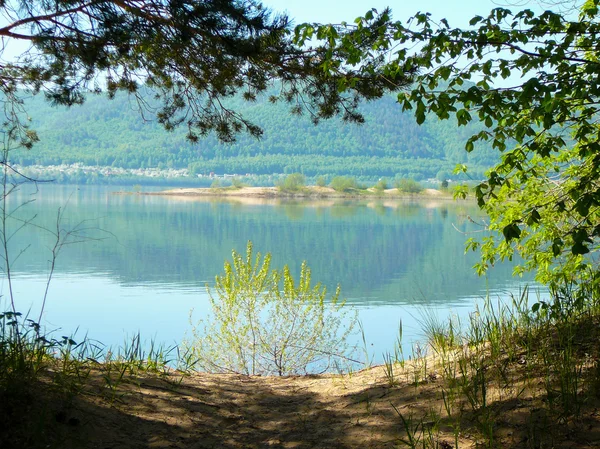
pixel 146 260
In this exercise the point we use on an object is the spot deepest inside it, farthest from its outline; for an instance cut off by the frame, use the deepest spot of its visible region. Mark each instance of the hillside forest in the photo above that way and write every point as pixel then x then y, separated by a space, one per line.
pixel 109 133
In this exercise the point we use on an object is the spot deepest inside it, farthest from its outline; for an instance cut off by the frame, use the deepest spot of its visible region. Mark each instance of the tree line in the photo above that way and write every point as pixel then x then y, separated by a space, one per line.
pixel 105 132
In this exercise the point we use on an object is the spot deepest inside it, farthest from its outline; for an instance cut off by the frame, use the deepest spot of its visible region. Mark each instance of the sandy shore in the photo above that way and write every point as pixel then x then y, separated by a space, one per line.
pixel 312 192
pixel 364 409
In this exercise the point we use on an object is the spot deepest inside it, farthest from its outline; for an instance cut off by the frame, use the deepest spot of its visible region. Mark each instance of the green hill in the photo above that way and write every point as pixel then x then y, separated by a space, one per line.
pixel 113 133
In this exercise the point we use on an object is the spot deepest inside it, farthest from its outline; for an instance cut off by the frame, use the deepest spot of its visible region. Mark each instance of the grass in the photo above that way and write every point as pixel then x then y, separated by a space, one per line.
pixel 506 367
pixel 41 376
pixel 505 357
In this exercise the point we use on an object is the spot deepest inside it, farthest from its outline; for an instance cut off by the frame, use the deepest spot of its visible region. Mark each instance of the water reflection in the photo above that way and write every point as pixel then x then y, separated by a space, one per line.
pixel 384 254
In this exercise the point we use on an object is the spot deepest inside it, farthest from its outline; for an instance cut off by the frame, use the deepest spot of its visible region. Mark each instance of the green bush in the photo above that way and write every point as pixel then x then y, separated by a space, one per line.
pixel 292 183
pixel 321 181
pixel 215 184
pixel 237 183
pixel 343 184
pixel 408 186
pixel 264 323
pixel 381 185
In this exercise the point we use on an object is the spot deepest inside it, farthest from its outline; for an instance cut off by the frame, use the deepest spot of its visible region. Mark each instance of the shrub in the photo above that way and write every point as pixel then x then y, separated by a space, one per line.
pixel 237 183
pixel 381 185
pixel 321 181
pixel 343 184
pixel 265 323
pixel 292 183
pixel 215 184
pixel 408 185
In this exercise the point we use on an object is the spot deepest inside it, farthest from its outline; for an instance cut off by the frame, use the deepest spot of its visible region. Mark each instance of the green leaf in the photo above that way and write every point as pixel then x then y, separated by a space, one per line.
pixel 557 246
pixel 420 113
pixel 582 207
pixel 459 168
pixel 534 217
pixel 475 20
pixel 579 248
pixel 581 235
pixel 511 231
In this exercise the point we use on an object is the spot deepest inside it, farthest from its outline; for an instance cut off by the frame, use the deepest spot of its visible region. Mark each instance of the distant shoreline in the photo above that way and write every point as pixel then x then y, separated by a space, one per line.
pixel 311 192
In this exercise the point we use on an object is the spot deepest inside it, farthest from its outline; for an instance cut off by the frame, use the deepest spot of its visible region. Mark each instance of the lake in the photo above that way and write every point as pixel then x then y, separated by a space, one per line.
pixel 141 263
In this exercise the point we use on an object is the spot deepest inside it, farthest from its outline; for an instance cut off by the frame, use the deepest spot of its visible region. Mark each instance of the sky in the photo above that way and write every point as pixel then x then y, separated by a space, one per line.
pixel 457 12
pixel 335 11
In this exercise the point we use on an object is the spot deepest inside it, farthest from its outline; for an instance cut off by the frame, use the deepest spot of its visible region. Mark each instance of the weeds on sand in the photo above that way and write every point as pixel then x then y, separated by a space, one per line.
pixel 508 353
pixel 40 375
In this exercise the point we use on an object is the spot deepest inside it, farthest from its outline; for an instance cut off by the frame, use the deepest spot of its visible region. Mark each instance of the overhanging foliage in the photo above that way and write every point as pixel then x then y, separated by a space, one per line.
pixel 191 53
pixel 537 93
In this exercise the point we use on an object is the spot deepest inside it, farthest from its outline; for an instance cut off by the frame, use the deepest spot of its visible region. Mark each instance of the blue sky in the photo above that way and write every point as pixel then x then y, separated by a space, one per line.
pixel 458 12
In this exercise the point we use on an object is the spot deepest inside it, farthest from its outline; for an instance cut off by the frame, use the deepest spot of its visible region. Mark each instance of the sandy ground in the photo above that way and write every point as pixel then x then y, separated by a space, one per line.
pixel 274 192
pixel 359 410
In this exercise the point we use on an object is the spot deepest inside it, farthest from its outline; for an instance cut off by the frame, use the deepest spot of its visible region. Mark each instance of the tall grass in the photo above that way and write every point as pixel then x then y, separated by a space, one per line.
pixel 41 375
pixel 508 352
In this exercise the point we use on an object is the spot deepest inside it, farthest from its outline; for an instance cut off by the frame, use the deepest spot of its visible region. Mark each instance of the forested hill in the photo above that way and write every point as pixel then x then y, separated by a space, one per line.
pixel 112 133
